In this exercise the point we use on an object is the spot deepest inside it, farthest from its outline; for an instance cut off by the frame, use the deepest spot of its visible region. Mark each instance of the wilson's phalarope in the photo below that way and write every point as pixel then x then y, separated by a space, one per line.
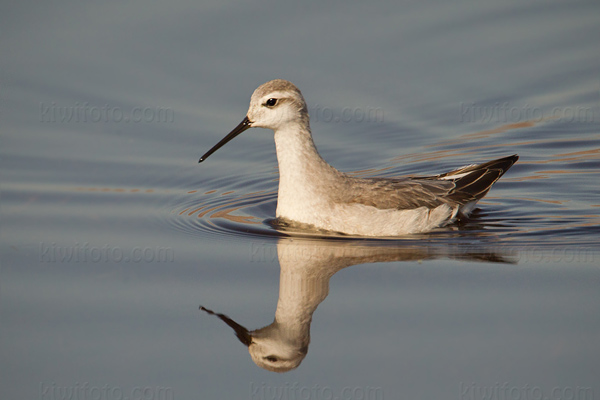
pixel 313 192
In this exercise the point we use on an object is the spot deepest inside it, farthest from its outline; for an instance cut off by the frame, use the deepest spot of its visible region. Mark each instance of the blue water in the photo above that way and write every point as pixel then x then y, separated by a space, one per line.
pixel 113 235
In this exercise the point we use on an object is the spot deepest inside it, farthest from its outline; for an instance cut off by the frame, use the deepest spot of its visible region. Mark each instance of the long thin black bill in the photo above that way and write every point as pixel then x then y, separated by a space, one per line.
pixel 242 333
pixel 245 124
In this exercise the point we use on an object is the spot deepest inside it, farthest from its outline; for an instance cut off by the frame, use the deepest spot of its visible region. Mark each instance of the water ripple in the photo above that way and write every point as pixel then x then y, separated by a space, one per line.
pixel 225 212
pixel 525 206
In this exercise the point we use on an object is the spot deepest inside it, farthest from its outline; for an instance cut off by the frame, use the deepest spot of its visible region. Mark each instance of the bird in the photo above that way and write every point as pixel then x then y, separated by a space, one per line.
pixel 313 194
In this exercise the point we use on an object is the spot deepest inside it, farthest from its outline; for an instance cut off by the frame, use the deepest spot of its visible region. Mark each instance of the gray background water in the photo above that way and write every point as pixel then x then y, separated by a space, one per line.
pixel 113 235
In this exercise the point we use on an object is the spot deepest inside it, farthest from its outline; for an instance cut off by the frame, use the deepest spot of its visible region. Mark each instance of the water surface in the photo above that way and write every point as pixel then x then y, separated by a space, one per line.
pixel 113 235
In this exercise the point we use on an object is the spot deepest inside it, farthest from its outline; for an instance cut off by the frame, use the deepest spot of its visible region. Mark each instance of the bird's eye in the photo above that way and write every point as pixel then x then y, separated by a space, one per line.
pixel 271 102
pixel 271 358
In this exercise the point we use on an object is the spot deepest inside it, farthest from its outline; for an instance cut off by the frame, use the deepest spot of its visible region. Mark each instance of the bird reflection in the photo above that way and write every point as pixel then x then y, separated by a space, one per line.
pixel 306 268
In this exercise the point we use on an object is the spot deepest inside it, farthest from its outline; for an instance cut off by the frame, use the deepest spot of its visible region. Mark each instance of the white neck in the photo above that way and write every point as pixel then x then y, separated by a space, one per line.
pixel 302 171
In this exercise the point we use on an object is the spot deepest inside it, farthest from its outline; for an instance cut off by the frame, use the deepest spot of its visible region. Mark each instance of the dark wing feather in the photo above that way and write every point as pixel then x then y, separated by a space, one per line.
pixel 471 184
pixel 479 178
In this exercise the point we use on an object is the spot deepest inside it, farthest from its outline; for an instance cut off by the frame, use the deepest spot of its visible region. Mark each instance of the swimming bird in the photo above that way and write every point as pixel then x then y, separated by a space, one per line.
pixel 312 192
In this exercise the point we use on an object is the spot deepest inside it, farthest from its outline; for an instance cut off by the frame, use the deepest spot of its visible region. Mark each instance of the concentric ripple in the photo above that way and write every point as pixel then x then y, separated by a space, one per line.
pixel 246 208
pixel 244 204
pixel 226 212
